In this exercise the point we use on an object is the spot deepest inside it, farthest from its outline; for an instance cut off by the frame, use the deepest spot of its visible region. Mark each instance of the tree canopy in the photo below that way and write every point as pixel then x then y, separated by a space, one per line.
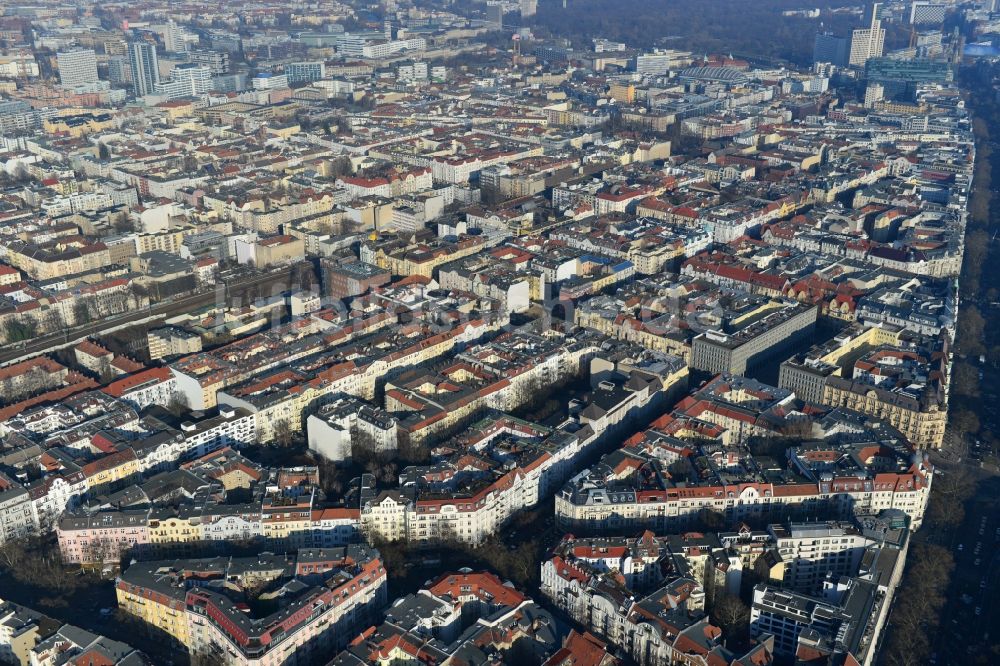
pixel 710 26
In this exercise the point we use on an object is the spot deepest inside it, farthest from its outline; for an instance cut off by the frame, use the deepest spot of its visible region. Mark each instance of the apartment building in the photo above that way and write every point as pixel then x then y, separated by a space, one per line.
pixel 753 340
pixel 664 627
pixel 609 497
pixel 844 621
pixel 812 552
pixel 77 67
pixel 918 412
pixel 466 616
pixel 155 386
pixel 347 422
pixel 171 341
pixel 94 539
pixel 330 595
pixel 17 519
pixel 55 493
pixel 444 501
pixel 806 374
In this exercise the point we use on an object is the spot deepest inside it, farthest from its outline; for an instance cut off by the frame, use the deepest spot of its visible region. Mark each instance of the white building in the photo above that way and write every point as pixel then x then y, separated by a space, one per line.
pixel 145 68
pixel 268 81
pixel 811 551
pixel 343 424
pixel 661 62
pixel 867 42
pixel 414 72
pixel 155 386
pixel 20 65
pixel 227 523
pixel 305 72
pixel 232 427
pixel 77 67
pixel 17 515
pixel 53 495
pixel 186 80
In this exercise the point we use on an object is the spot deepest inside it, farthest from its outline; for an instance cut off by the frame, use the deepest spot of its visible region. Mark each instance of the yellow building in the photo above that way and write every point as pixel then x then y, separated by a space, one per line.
pixel 284 517
pixel 870 338
pixel 236 478
pixel 622 92
pixel 165 241
pixel 284 131
pixel 175 109
pixel 168 614
pixel 631 329
pixel 112 470
pixel 650 258
pixel 168 531
pixel 57 258
pixel 286 408
pixel 279 250
pixel 79 124
pixel 423 261
pixel 922 422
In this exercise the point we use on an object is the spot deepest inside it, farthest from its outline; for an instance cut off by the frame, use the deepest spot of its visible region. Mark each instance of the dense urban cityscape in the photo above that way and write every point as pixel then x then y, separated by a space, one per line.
pixel 480 332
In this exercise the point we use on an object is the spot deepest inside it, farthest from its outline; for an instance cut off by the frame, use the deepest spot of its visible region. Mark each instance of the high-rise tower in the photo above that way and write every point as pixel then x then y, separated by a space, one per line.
pixel 145 68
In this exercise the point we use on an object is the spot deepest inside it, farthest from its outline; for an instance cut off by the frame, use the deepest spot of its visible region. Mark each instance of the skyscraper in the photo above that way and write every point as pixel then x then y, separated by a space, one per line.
pixel 868 42
pixel 924 12
pixel 494 14
pixel 119 70
pixel 174 37
pixel 77 67
pixel 830 48
pixel 145 68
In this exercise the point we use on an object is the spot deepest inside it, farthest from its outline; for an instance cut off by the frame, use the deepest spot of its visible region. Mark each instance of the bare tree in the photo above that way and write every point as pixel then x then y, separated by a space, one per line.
pixel 22 328
pixel 178 404
pixel 207 658
pixel 364 447
pixel 12 553
pixel 965 380
pixel 731 614
pixel 81 312
pixel 330 478
pixel 283 434
pixel 304 277
pixel 964 421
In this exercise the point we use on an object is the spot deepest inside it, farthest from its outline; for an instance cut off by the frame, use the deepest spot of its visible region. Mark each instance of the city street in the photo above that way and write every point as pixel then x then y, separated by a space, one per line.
pixel 971 615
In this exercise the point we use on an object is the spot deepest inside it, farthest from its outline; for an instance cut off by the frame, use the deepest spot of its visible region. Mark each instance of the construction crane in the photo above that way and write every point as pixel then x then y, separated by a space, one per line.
pixel 22 66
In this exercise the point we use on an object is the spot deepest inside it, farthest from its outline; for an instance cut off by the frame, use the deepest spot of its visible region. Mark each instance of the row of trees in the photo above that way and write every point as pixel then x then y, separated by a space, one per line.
pixel 35 563
pixel 85 309
pixel 34 381
pixel 919 601
pixel 518 563
pixel 971 335
pixel 19 330
pixel 922 595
